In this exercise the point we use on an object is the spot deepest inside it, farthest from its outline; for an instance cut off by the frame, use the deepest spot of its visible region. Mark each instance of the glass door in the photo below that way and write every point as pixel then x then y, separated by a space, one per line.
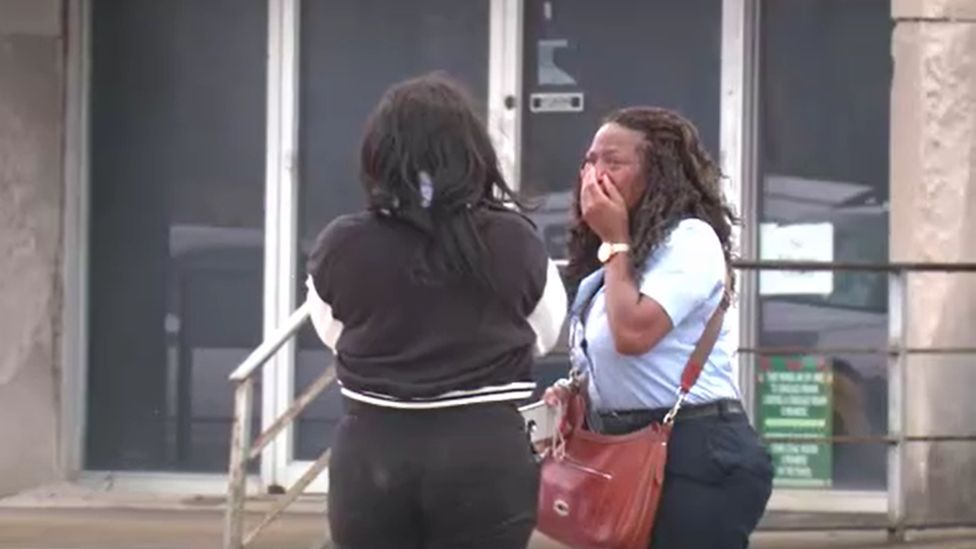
pixel 350 51
pixel 177 232
pixel 583 59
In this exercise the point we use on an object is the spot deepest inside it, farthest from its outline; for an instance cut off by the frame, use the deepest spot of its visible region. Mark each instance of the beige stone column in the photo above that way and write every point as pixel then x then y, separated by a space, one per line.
pixel 31 102
pixel 933 219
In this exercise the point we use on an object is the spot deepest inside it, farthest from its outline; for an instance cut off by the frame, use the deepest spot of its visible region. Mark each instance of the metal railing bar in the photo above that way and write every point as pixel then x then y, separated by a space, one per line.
pixel 879 524
pixel 893 267
pixel 898 313
pixel 296 408
pixel 816 351
pixel 820 351
pixel 291 495
pixel 938 350
pixel 867 439
pixel 270 346
pixel 240 442
pixel 778 265
pixel 243 451
pixel 940 438
pixel 837 439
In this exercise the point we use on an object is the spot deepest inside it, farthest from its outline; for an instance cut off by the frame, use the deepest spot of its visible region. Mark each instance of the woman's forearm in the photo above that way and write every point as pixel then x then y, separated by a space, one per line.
pixel 636 322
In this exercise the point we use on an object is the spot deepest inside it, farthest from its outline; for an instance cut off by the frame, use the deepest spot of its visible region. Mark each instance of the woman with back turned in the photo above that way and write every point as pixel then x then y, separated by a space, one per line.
pixel 436 300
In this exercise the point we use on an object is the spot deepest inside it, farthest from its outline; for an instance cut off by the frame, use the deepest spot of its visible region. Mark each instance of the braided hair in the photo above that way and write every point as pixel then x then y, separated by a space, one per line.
pixel 682 182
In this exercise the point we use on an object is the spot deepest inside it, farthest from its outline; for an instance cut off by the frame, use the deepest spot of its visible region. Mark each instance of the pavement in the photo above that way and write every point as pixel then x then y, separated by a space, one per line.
pixel 62 528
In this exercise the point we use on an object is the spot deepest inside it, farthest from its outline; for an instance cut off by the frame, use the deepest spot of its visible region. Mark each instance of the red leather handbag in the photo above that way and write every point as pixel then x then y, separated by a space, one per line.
pixel 602 491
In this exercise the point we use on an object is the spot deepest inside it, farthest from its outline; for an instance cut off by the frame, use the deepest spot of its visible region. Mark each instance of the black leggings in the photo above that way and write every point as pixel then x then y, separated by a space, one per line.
pixel 455 478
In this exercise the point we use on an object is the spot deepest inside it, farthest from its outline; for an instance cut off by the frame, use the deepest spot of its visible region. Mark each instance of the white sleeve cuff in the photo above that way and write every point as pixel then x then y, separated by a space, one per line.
pixel 328 328
pixel 547 318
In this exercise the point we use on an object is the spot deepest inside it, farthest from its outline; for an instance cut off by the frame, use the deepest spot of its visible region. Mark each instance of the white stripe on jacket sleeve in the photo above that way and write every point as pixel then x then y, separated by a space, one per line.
pixel 547 318
pixel 327 327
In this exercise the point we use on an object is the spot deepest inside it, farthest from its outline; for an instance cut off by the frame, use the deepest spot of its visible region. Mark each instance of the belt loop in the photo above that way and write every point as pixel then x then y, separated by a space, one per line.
pixel 723 409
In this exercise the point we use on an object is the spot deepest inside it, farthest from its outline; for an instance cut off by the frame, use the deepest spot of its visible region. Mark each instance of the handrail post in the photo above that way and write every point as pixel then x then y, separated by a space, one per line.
pixel 239 452
pixel 897 364
pixel 240 445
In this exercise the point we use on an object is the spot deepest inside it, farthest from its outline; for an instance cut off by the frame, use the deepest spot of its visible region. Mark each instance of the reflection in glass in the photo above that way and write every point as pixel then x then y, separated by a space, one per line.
pixel 824 196
pixel 177 138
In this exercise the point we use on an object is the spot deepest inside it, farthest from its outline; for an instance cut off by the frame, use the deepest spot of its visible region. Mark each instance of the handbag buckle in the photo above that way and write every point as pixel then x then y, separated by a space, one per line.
pixel 673 412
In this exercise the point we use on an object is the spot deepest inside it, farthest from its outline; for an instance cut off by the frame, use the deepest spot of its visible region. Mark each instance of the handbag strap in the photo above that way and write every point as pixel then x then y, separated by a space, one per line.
pixel 703 349
pixel 696 362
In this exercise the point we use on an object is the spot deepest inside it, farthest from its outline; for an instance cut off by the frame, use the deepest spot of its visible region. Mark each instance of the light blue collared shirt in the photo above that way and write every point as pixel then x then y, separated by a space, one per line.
pixel 686 276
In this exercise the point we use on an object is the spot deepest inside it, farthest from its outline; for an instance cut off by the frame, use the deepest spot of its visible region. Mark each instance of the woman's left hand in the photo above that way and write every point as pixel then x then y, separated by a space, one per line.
pixel 603 207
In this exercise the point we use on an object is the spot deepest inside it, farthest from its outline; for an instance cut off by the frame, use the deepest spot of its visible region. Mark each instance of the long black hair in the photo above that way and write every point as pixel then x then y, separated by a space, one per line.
pixel 682 181
pixel 427 160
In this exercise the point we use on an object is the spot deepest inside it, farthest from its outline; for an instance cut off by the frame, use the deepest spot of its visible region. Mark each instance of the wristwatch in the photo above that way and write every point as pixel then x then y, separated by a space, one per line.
pixel 608 249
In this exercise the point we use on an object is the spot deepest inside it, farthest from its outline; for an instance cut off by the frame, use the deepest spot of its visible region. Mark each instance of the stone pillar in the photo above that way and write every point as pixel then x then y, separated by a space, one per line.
pixel 31 83
pixel 933 218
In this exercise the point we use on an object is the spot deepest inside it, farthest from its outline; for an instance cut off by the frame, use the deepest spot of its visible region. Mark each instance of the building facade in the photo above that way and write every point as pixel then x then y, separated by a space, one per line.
pixel 165 165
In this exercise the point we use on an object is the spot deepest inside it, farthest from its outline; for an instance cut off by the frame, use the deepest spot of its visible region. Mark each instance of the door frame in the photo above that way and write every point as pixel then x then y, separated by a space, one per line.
pixel 505 55
pixel 75 269
pixel 279 467
pixel 281 227
pixel 75 240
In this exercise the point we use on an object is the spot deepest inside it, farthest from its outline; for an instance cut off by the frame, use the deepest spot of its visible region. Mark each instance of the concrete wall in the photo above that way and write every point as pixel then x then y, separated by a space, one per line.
pixel 933 218
pixel 31 82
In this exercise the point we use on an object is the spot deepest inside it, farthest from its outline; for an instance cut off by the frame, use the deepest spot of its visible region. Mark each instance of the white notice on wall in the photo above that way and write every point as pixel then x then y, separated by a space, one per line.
pixel 796 242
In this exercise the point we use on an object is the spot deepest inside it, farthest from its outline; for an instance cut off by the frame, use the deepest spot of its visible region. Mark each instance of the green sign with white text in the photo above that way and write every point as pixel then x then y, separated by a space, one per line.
pixel 795 399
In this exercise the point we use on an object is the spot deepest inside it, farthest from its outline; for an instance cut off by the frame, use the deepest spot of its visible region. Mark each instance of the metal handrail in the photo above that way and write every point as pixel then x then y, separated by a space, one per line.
pixel 885 267
pixel 863 266
pixel 243 451
pixel 270 346
pixel 897 353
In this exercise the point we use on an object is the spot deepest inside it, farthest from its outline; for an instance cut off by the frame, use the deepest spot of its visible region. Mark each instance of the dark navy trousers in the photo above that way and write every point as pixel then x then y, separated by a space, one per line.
pixel 717 482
